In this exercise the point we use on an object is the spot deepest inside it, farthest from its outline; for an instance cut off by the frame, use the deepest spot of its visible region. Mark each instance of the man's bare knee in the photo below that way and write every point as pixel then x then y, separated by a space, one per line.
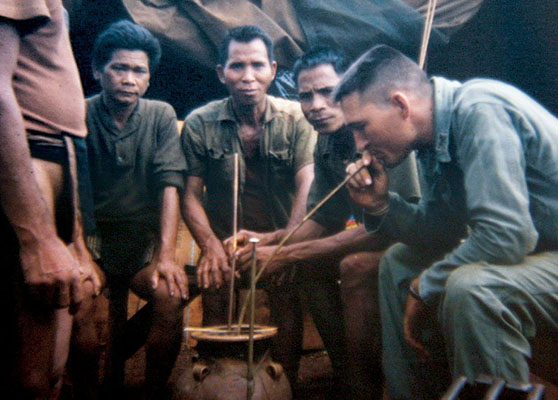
pixel 164 303
pixel 359 268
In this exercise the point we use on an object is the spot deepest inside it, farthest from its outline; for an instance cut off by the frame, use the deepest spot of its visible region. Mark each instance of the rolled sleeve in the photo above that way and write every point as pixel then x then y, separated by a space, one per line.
pixel 305 141
pixel 193 145
pixel 168 161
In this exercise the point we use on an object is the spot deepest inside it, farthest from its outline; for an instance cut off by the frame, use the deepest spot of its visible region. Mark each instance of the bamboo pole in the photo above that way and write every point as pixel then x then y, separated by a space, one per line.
pixel 292 232
pixel 235 232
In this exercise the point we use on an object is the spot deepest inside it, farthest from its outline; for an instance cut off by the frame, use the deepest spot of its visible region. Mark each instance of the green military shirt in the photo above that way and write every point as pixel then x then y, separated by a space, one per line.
pixel 210 139
pixel 332 154
pixel 130 167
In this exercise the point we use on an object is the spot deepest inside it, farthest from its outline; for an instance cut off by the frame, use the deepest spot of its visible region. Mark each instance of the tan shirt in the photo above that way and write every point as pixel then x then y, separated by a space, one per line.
pixel 210 138
pixel 46 80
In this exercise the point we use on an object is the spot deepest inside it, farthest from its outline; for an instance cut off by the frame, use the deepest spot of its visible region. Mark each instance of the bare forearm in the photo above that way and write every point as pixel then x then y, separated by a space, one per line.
pixel 20 194
pixel 303 179
pixel 297 213
pixel 338 245
pixel 170 214
pixel 308 231
pixel 196 220
pixel 28 192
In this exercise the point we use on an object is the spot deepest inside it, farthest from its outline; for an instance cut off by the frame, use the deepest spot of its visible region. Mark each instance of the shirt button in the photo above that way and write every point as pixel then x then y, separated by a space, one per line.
pixel 119 159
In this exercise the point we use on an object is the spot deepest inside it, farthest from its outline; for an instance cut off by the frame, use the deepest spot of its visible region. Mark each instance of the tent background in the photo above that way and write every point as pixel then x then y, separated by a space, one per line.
pixel 511 40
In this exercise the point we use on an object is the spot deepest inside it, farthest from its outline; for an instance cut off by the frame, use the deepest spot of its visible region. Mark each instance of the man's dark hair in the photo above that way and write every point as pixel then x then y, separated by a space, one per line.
pixel 125 35
pixel 318 56
pixel 378 72
pixel 244 34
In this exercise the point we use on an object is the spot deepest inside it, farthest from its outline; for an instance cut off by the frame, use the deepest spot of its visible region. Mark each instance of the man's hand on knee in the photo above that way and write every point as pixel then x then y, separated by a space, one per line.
pixel 174 276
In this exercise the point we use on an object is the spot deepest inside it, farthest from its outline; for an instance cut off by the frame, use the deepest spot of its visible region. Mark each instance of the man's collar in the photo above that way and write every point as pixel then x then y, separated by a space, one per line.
pixel 341 142
pixel 227 112
pixel 444 91
pixel 133 120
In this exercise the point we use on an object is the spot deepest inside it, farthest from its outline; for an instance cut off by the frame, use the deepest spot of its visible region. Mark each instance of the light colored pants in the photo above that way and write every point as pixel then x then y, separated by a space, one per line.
pixel 486 317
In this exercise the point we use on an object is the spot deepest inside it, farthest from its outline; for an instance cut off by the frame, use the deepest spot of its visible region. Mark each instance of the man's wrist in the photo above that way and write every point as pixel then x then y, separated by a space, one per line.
pixel 209 242
pixel 378 211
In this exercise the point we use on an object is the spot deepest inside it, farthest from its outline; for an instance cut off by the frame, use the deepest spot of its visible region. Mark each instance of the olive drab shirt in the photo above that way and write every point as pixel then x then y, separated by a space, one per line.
pixel 130 167
pixel 210 139
pixel 332 155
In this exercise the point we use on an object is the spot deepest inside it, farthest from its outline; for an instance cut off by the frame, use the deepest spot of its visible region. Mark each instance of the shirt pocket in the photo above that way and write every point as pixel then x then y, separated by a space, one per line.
pixel 281 168
pixel 220 168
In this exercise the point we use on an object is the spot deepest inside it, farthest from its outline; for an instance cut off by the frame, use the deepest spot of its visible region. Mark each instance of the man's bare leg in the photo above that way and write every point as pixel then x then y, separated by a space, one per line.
pixel 44 333
pixel 85 350
pixel 359 276
pixel 117 316
pixel 165 335
pixel 42 351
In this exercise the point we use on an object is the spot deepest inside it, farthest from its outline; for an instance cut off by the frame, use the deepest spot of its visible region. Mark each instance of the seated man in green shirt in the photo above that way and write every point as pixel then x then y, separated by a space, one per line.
pixel 137 172
pixel 322 243
pixel 275 144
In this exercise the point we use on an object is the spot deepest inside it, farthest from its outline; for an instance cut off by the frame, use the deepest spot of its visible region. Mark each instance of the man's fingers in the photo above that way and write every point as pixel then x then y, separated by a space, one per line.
pixel 243 256
pixel 412 329
pixel 203 276
pixel 171 284
pixel 182 283
pixel 154 280
pixel 76 294
pixel 360 179
pixel 216 276
pixel 95 281
pixel 241 238
pixel 199 276
pixel 97 284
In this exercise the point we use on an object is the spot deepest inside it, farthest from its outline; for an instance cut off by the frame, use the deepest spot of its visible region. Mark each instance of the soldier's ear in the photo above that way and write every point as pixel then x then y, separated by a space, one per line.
pixel 401 101
pixel 96 74
pixel 220 73
pixel 274 68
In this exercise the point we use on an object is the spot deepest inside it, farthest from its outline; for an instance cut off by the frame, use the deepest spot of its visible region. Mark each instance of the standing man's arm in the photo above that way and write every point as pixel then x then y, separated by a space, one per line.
pixel 27 195
pixel 213 261
pixel 88 268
